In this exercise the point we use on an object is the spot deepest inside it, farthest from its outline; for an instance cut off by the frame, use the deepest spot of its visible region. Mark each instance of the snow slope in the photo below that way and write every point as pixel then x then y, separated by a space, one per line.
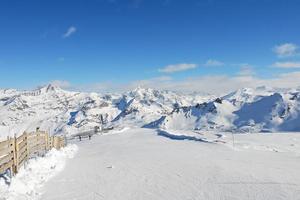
pixel 143 164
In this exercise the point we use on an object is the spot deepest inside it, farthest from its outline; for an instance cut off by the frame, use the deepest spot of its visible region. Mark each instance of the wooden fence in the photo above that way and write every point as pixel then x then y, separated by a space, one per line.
pixel 14 152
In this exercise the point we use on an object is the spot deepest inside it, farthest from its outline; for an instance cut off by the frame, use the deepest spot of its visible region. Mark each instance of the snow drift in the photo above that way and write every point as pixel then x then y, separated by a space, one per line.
pixel 26 184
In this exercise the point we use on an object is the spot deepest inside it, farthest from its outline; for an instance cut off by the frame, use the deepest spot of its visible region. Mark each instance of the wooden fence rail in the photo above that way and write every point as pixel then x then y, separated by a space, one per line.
pixel 14 152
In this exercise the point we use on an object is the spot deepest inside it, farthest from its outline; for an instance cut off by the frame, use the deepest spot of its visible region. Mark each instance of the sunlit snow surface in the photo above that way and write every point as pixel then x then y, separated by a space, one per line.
pixel 148 164
pixel 187 153
pixel 27 183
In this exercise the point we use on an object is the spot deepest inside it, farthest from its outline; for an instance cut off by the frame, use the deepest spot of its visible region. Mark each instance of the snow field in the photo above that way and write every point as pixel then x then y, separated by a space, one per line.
pixel 31 177
pixel 143 164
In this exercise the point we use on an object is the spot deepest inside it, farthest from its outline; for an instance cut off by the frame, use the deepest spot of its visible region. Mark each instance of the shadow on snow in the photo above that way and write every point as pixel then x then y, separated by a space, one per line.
pixel 179 137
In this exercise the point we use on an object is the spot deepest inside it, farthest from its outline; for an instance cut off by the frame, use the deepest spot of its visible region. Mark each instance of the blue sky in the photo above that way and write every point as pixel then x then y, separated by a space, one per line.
pixel 108 44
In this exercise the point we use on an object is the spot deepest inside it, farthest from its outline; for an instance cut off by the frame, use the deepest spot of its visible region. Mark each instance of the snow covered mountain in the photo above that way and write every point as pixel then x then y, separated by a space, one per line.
pixel 142 106
pixel 60 111
pixel 53 109
pixel 245 110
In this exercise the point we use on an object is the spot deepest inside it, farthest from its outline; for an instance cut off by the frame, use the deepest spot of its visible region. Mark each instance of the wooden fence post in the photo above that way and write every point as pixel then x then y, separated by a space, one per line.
pixel 15 170
pixel 11 144
pixel 47 141
pixel 25 138
pixel 27 152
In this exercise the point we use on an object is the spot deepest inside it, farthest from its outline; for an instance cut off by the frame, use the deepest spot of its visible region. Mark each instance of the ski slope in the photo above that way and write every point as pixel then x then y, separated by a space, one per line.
pixel 146 164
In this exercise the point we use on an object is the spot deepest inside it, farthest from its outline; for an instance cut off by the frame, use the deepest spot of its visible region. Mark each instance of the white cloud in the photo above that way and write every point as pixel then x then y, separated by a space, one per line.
pixel 222 84
pixel 286 50
pixel 61 83
pixel 71 30
pixel 246 70
pixel 118 87
pixel 148 82
pixel 287 65
pixel 214 84
pixel 177 68
pixel 213 63
pixel 285 80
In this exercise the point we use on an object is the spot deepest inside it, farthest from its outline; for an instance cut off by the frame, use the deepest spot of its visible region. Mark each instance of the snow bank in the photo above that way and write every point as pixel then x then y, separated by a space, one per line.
pixel 26 183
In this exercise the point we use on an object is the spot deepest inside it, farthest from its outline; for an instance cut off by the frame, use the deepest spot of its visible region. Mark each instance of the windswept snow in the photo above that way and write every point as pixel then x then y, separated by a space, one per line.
pixel 27 183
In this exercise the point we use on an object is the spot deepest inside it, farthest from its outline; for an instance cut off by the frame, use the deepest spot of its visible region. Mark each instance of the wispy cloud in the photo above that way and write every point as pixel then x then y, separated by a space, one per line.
pixel 177 68
pixel 61 83
pixel 286 50
pixel 246 70
pixel 213 63
pixel 222 84
pixel 71 30
pixel 287 65
pixel 214 84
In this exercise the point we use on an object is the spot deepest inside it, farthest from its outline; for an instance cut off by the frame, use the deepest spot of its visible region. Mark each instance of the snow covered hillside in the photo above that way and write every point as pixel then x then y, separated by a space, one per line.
pixel 58 111
pixel 147 164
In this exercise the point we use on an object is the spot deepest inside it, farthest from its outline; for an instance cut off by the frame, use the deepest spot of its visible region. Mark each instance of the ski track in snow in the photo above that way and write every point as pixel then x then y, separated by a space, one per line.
pixel 139 164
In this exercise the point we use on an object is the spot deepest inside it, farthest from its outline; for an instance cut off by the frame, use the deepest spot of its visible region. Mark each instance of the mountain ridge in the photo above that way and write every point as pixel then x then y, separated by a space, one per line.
pixel 65 112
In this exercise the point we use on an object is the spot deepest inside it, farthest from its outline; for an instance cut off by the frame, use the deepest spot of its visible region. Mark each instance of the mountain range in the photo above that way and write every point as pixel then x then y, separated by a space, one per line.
pixel 59 111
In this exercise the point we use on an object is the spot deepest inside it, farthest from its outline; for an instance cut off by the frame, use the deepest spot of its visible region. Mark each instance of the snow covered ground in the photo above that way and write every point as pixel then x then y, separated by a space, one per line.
pixel 150 164
pixel 26 184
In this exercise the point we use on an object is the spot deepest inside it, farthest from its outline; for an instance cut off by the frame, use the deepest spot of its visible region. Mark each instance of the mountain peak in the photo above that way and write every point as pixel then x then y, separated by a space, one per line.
pixel 140 91
pixel 49 88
